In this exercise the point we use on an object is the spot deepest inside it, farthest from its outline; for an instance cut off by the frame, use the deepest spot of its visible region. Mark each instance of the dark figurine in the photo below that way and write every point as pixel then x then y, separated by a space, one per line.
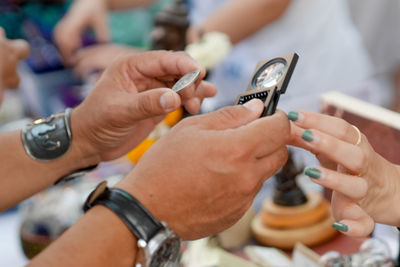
pixel 287 192
pixel 170 27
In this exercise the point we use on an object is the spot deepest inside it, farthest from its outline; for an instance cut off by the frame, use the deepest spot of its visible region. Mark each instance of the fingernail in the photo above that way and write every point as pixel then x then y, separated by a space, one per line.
pixel 293 115
pixel 307 136
pixel 340 226
pixel 252 105
pixel 313 173
pixel 167 101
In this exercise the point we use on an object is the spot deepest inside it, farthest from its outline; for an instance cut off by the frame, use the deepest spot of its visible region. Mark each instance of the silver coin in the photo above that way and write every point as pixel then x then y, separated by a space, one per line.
pixel 186 81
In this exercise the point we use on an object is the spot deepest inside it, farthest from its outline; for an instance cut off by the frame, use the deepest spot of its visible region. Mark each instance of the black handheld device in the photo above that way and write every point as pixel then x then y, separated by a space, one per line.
pixel 269 81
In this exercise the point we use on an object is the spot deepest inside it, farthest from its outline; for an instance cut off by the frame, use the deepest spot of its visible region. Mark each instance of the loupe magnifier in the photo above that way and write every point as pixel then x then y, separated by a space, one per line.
pixel 270 80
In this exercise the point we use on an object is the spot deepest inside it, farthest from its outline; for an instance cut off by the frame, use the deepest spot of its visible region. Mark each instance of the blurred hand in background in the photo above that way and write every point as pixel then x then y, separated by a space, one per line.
pixel 11 52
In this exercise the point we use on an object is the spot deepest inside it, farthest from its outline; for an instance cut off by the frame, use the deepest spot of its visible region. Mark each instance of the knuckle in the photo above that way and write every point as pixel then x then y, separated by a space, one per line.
pixel 361 162
pixel 238 154
pixel 345 132
pixel 325 145
pixel 275 164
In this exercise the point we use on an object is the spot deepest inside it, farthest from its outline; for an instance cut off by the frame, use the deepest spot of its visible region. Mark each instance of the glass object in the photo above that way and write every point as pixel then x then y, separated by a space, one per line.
pixel 270 75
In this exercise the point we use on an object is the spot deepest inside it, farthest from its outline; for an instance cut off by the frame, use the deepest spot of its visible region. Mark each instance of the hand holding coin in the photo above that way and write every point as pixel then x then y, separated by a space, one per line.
pixel 192 89
pixel 186 81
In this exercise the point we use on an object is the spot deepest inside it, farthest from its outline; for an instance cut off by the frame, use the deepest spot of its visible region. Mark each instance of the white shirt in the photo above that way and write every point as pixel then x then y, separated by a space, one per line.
pixel 331 52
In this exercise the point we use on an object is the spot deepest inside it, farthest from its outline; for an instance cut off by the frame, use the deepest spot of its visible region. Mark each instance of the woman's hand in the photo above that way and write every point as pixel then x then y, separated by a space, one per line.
pixel 366 187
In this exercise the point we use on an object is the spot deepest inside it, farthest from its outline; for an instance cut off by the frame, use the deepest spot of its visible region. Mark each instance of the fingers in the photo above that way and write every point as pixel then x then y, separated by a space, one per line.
pixel 151 103
pixel 67 38
pixel 15 51
pixel 334 126
pixel 350 186
pixel 100 27
pixel 250 134
pixel 270 164
pixel 206 89
pixel 87 61
pixel 158 64
pixel 351 218
pixel 266 134
pixel 348 155
pixel 231 117
pixel 192 102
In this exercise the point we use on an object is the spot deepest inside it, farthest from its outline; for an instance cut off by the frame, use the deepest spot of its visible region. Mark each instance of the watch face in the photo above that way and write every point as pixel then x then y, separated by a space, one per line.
pixel 270 74
pixel 167 253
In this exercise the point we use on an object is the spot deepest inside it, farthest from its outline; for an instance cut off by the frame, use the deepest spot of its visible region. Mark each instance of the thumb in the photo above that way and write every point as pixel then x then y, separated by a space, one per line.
pixel 152 103
pixel 234 116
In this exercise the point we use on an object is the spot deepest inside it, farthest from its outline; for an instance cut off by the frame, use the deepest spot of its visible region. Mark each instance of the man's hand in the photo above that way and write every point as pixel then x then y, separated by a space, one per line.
pixel 131 97
pixel 83 15
pixel 11 52
pixel 202 176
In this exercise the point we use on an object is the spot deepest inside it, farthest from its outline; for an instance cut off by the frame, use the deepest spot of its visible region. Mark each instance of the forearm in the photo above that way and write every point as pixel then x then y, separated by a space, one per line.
pixel 240 19
pixel 23 176
pixel 100 238
pixel 121 4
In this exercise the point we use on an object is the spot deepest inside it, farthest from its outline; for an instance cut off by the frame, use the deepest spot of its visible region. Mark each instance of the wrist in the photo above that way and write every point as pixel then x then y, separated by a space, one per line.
pixel 134 185
pixel 82 148
pixel 156 243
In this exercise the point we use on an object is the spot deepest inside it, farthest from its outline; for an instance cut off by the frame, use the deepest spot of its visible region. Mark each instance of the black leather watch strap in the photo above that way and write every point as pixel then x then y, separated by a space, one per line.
pixel 130 210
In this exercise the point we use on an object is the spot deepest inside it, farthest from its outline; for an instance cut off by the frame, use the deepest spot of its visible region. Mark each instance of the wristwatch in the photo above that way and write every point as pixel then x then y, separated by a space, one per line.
pixel 157 244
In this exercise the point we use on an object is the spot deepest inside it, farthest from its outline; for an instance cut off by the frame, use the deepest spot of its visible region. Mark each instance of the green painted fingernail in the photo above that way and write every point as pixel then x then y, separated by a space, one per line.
pixel 307 135
pixel 293 115
pixel 340 226
pixel 313 172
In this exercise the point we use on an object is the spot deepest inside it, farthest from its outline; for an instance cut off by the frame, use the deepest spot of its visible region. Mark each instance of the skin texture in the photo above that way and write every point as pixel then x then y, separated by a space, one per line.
pixel 131 97
pixel 84 15
pixel 225 159
pixel 97 58
pixel 121 111
pixel 11 52
pixel 199 172
pixel 365 185
pixel 240 19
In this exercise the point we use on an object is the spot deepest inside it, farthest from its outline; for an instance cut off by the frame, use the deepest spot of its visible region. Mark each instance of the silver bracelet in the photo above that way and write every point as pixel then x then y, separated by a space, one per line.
pixel 48 139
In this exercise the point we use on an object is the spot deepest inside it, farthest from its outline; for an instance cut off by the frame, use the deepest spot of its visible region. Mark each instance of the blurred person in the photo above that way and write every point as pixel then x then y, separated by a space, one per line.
pixel 84 15
pixel 331 52
pixel 366 187
pixel 194 169
pixel 11 52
